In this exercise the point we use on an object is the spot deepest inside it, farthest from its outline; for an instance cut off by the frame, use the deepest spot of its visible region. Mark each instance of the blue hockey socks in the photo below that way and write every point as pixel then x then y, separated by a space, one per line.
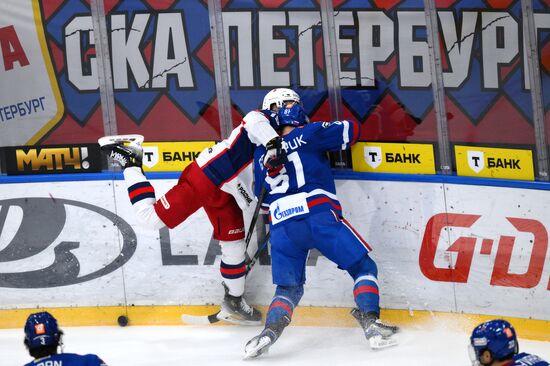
pixel 365 292
pixel 285 300
pixel 365 289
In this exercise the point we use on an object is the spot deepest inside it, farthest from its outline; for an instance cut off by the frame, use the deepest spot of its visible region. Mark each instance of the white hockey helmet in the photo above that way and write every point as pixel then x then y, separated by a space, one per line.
pixel 278 97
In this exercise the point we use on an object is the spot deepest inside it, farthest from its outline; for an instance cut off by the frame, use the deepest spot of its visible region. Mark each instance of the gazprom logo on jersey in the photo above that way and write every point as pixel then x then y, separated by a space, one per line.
pixel 393 158
pixel 289 212
pixel 287 207
pixel 171 156
pixel 494 162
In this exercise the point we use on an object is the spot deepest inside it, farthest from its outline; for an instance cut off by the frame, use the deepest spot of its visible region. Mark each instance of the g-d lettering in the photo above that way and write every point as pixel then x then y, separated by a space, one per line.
pixel 465 247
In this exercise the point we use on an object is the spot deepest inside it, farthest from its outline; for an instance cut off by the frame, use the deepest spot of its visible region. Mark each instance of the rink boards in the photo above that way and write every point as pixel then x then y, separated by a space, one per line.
pixel 442 250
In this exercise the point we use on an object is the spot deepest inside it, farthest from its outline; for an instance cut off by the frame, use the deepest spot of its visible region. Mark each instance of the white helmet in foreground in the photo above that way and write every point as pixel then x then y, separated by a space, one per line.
pixel 278 97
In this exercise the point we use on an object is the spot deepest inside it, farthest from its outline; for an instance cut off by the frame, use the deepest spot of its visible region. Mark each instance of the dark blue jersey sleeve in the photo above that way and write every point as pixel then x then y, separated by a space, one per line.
pixel 259 170
pixel 526 359
pixel 336 135
pixel 71 359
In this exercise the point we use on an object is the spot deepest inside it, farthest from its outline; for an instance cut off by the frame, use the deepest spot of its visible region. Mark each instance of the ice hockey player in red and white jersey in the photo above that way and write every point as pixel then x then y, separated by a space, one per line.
pixel 220 181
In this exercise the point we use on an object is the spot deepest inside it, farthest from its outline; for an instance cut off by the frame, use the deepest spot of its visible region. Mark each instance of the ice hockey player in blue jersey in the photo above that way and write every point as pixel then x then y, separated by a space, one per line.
pixel 495 343
pixel 43 338
pixel 304 214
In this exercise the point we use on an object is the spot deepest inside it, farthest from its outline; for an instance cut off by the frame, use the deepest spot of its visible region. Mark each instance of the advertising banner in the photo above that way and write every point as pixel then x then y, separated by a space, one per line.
pixel 438 247
pixel 52 159
pixel 163 69
pixel 476 161
pixel 171 156
pixel 30 100
pixel 393 158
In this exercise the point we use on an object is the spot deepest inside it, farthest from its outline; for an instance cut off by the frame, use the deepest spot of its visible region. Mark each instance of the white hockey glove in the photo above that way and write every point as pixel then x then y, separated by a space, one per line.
pixel 126 150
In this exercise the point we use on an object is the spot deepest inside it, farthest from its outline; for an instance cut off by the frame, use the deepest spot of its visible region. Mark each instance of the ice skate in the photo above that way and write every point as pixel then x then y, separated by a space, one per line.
pixel 378 333
pixel 234 309
pixel 261 343
pixel 126 150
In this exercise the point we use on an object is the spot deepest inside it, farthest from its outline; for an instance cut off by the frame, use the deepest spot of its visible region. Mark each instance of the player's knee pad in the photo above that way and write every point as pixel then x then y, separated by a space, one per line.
pixel 365 266
pixel 233 252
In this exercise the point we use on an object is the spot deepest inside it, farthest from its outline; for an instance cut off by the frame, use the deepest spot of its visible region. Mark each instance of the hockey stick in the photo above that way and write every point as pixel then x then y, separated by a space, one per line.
pixel 213 318
pixel 254 220
pixel 249 262
pixel 200 319
pixel 259 251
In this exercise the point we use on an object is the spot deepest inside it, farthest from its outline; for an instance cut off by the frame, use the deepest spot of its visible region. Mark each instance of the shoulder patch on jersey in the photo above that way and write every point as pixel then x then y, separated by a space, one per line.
pixel 328 124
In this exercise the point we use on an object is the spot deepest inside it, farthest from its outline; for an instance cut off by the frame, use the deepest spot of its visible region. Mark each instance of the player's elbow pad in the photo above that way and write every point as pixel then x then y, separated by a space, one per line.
pixel 146 214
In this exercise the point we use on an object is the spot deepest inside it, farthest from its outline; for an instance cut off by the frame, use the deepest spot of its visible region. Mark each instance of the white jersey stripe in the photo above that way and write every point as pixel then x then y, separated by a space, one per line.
pixel 345 135
pixel 323 192
pixel 367 278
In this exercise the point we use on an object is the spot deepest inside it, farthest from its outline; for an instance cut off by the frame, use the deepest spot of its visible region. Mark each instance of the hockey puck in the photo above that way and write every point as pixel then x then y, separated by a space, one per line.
pixel 122 320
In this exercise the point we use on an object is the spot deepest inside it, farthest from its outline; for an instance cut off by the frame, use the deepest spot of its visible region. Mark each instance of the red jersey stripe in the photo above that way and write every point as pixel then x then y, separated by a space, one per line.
pixel 232 271
pixel 139 191
pixel 363 289
pixel 322 200
pixel 283 305
pixel 224 150
pixel 369 248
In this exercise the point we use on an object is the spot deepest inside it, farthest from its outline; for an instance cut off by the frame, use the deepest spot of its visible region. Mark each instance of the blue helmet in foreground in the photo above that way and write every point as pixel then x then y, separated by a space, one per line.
pixel 294 116
pixel 497 336
pixel 41 330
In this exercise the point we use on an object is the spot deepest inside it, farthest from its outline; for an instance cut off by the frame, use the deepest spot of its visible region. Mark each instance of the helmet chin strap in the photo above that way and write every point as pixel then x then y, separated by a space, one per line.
pixel 60 343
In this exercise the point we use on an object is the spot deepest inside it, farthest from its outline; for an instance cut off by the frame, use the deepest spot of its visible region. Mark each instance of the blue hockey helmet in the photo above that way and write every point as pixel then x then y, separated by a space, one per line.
pixel 498 336
pixel 294 116
pixel 41 330
pixel 272 116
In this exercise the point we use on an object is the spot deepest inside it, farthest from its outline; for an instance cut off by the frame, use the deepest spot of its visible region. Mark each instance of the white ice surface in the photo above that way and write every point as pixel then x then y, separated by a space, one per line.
pixel 223 345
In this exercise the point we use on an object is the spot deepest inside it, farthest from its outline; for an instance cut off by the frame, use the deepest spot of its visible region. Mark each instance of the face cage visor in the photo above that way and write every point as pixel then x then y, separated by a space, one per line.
pixel 474 357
